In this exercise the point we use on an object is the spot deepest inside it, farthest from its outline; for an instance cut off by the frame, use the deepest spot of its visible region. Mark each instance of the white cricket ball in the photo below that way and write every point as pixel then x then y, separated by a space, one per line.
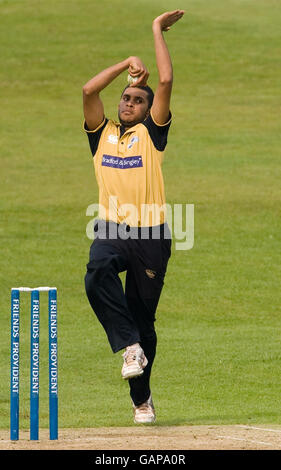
pixel 132 79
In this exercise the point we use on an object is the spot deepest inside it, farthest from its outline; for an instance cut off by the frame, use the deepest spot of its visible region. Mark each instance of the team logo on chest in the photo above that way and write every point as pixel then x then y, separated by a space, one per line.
pixel 112 139
pixel 133 141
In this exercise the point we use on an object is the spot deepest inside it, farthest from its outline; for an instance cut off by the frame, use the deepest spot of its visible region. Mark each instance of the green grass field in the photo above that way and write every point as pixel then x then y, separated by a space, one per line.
pixel 219 318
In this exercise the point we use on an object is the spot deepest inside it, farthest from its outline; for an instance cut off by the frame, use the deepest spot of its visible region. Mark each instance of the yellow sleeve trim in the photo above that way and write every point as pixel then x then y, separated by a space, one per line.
pixel 161 125
pixel 94 130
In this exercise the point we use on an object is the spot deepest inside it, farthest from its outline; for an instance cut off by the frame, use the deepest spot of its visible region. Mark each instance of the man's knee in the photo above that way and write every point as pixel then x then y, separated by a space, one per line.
pixel 99 271
pixel 93 276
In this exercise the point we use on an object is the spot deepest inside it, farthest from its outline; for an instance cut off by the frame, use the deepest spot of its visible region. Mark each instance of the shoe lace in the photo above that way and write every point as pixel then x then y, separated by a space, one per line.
pixel 144 408
pixel 130 355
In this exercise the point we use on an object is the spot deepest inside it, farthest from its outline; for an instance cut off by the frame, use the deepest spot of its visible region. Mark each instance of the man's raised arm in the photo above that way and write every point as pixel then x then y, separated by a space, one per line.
pixel 92 104
pixel 161 103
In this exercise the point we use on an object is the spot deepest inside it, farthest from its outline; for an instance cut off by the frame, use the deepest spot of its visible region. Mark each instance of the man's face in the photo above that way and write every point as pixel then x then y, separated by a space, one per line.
pixel 133 106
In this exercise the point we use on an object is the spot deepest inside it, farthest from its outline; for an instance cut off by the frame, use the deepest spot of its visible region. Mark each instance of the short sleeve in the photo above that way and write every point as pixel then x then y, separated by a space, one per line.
pixel 158 132
pixel 95 135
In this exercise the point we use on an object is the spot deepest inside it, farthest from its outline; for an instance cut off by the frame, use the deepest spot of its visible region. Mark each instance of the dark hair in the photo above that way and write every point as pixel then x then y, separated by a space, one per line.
pixel 150 94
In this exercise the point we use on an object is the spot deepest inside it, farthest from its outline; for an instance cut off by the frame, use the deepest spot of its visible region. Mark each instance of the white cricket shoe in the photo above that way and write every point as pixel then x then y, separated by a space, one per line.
pixel 144 413
pixel 134 361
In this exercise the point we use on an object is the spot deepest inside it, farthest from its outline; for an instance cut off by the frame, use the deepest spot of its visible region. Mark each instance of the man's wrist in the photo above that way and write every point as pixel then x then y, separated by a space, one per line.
pixel 156 27
pixel 127 62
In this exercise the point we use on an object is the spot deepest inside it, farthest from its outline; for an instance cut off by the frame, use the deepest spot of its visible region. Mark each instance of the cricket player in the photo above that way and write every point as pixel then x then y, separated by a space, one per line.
pixel 131 233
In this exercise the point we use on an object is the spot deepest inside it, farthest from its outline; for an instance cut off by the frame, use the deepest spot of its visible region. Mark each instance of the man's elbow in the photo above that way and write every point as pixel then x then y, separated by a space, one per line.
pixel 86 90
pixel 166 81
pixel 89 91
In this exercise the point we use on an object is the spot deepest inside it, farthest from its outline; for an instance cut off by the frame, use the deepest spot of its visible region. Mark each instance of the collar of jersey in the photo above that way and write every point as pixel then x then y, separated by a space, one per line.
pixel 131 129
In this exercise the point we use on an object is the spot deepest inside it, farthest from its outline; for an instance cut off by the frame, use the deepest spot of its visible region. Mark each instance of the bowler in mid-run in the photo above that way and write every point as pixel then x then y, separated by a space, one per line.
pixel 131 233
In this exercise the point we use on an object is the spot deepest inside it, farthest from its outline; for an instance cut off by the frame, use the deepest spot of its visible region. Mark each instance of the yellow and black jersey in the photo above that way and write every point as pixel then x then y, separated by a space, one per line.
pixel 128 171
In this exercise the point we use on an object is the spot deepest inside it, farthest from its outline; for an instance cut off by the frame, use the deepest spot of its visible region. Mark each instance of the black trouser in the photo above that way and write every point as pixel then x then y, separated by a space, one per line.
pixel 128 317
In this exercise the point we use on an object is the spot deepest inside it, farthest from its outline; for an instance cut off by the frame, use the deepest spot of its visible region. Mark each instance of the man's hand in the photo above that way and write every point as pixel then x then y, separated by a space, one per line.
pixel 139 70
pixel 166 20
